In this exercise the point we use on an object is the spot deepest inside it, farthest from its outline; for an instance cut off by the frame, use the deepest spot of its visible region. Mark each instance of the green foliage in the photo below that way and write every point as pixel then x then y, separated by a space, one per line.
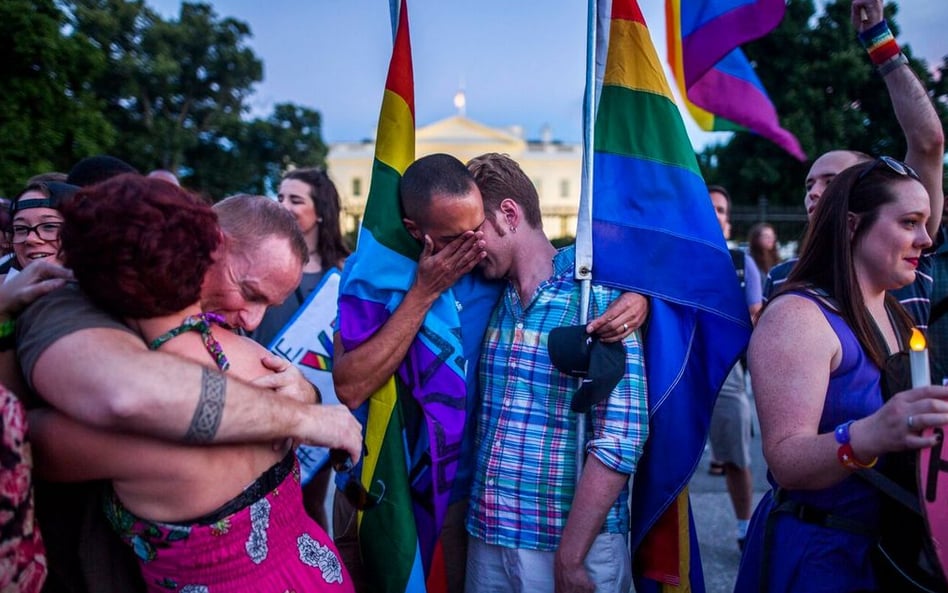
pixel 290 136
pixel 49 115
pixel 826 93
pixel 112 76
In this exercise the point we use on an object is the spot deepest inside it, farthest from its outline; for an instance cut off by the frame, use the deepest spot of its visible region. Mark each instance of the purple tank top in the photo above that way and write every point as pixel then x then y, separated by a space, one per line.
pixel 854 392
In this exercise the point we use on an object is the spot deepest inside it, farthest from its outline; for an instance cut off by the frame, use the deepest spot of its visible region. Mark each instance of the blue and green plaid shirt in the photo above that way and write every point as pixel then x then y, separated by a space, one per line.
pixel 524 477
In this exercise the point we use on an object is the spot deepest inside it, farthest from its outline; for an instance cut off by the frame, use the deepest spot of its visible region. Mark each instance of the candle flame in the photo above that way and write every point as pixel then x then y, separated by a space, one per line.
pixel 917 341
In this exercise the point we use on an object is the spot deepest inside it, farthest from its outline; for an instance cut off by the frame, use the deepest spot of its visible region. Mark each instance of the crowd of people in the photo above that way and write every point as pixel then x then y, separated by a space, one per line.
pixel 163 440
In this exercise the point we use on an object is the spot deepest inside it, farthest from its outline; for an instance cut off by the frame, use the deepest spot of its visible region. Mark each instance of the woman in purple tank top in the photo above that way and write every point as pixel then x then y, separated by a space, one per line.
pixel 816 358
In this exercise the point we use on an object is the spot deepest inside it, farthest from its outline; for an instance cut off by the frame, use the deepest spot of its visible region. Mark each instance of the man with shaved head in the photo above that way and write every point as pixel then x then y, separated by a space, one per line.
pixel 925 154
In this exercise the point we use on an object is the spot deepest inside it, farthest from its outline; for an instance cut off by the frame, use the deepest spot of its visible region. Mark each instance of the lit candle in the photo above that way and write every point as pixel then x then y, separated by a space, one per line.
pixel 918 360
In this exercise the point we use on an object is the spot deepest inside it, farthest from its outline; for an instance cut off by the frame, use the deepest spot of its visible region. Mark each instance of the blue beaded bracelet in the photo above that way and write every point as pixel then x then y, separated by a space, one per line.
pixel 845 453
pixel 842 432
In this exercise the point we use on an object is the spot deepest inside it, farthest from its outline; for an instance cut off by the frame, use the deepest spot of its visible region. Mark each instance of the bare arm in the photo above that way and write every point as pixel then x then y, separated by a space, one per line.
pixel 109 379
pixel 917 117
pixel 792 353
pixel 360 372
pixel 598 489
pixel 65 450
pixel 37 279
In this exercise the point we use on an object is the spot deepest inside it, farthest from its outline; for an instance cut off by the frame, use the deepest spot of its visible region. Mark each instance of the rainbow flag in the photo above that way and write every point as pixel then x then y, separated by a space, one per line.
pixel 650 204
pixel 414 423
pixel 718 84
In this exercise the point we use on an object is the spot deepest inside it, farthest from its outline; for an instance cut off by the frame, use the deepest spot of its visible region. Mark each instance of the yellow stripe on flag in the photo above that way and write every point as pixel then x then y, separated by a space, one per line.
pixel 684 546
pixel 396 133
pixel 381 407
pixel 704 119
pixel 628 39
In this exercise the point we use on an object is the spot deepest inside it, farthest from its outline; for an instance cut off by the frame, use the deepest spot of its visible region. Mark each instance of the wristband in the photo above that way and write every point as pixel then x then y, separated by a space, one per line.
pixel 892 64
pixel 845 453
pixel 879 43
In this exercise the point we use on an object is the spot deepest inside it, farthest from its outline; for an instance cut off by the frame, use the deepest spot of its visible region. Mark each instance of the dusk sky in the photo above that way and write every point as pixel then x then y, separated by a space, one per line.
pixel 519 63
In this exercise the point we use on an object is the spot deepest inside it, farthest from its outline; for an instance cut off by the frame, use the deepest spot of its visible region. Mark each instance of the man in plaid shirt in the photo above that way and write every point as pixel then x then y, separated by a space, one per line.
pixel 532 528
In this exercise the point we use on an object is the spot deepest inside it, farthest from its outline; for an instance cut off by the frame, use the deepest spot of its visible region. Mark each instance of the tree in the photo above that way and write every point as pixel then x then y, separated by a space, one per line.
pixel 251 157
pixel 177 93
pixel 50 115
pixel 290 137
pixel 826 93
pixel 168 84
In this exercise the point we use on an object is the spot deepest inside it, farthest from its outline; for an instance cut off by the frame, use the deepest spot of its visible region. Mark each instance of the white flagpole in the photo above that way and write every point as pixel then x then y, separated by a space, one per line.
pixel 584 255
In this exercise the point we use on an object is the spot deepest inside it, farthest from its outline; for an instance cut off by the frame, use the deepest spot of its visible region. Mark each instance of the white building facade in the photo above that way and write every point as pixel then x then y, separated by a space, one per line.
pixel 554 167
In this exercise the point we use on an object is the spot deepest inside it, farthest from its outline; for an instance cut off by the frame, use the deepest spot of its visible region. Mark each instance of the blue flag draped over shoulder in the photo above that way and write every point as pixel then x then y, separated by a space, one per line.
pixel 654 232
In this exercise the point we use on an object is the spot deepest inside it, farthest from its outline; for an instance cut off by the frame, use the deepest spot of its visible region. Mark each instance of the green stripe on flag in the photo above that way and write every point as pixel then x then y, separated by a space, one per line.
pixel 383 213
pixel 725 125
pixel 387 533
pixel 642 125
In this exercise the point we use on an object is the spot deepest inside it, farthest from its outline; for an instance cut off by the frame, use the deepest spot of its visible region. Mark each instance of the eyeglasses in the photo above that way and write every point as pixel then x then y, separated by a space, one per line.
pixel 47 231
pixel 353 490
pixel 893 164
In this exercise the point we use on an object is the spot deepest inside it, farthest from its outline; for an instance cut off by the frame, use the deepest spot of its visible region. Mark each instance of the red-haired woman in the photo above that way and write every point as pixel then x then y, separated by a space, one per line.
pixel 218 519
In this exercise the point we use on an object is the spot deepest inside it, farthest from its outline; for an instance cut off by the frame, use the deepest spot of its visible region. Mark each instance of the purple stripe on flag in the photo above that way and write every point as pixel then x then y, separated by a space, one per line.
pixel 703 48
pixel 359 319
pixel 715 92
pixel 441 395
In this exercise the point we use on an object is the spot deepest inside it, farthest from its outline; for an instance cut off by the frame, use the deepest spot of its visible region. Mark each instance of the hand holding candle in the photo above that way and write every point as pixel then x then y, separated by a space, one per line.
pixel 918 360
pixel 932 478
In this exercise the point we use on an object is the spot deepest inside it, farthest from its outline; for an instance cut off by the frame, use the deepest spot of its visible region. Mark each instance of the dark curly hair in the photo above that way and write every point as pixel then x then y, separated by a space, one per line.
pixel 139 247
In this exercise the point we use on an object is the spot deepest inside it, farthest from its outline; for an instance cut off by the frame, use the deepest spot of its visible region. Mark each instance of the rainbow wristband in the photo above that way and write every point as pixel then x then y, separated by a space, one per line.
pixel 845 452
pixel 879 43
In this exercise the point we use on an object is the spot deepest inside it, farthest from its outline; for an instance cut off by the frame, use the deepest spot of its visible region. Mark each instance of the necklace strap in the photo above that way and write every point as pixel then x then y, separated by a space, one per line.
pixel 200 323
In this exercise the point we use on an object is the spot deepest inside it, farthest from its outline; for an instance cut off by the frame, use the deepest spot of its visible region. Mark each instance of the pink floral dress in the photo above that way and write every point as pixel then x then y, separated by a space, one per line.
pixel 22 556
pixel 267 544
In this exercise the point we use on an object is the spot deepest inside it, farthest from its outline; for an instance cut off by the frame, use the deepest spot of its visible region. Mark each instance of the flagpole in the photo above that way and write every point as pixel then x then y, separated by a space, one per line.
pixel 583 272
pixel 393 9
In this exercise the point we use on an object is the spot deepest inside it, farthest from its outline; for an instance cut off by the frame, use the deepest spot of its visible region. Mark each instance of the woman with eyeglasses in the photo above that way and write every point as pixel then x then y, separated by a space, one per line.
pixel 835 409
pixel 227 518
pixel 34 235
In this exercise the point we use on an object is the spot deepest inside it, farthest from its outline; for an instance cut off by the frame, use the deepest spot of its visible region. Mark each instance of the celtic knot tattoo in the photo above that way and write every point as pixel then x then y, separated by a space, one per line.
pixel 210 408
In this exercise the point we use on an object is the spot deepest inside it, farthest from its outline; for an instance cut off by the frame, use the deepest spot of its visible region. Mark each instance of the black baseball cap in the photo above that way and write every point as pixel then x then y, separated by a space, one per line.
pixel 600 365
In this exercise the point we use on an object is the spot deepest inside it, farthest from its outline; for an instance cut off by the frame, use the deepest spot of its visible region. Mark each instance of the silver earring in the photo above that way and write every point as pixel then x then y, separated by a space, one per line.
pixel 512 228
